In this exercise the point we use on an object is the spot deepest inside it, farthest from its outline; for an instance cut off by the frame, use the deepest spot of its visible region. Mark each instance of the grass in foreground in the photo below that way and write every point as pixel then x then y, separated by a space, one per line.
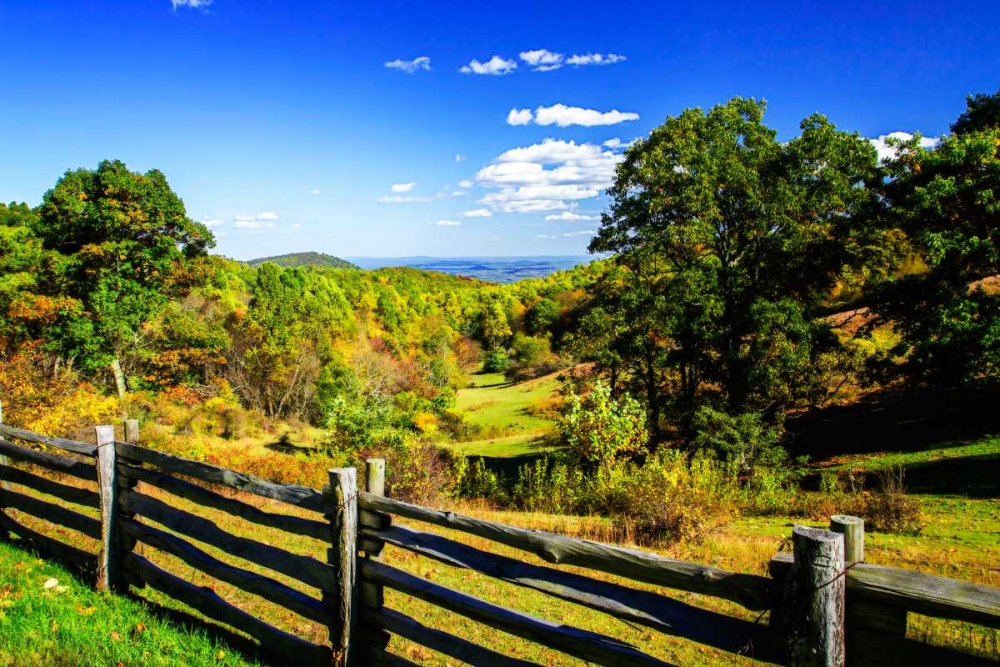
pixel 49 617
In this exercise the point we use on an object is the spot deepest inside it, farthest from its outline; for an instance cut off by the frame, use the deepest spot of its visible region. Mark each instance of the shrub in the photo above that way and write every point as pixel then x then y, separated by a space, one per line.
pixel 600 429
pixel 495 362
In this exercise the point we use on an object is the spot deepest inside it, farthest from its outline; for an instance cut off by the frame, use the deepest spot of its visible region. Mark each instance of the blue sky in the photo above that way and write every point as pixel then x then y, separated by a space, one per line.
pixel 280 124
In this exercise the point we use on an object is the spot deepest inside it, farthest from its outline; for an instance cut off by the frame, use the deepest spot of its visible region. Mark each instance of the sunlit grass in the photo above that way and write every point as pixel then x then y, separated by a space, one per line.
pixel 49 617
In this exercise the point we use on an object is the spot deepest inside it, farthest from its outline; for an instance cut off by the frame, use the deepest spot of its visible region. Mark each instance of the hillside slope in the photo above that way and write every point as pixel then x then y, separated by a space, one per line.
pixel 304 259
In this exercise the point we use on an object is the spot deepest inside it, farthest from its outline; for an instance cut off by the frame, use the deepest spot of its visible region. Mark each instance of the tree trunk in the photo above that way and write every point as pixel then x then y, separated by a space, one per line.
pixel 116 369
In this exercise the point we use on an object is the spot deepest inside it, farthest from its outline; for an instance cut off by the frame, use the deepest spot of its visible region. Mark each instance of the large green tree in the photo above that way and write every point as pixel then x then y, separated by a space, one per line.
pixel 734 240
pixel 946 201
pixel 115 238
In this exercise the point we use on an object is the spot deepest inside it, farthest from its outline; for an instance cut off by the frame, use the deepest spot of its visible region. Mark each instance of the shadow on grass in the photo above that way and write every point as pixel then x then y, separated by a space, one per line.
pixel 286 446
pixel 906 420
pixel 972 476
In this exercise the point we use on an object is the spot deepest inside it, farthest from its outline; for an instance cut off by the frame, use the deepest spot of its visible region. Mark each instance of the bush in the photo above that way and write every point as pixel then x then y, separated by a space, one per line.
pixel 600 429
pixel 495 362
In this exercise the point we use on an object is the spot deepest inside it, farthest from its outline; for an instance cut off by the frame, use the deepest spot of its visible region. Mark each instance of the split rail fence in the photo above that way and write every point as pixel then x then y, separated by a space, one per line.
pixel 826 606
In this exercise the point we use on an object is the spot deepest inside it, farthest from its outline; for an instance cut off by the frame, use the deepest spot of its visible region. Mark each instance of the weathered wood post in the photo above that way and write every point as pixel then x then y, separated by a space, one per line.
pixel 813 605
pixel 4 461
pixel 4 484
pixel 125 486
pixel 109 559
pixel 373 594
pixel 853 530
pixel 132 431
pixel 343 507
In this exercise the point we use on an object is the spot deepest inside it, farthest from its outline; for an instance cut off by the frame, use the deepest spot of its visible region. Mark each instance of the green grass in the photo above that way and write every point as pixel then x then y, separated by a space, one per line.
pixel 960 468
pixel 502 407
pixel 49 617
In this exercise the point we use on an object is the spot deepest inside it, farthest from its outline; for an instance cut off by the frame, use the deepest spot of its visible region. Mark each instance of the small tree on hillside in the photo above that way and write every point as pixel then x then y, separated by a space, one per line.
pixel 600 429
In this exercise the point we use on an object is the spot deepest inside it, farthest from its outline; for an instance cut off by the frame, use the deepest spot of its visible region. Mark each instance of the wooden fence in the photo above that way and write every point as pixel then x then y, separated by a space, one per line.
pixel 826 606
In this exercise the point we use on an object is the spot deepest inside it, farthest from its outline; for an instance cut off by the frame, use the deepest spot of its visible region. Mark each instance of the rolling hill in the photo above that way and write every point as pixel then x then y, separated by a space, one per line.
pixel 304 259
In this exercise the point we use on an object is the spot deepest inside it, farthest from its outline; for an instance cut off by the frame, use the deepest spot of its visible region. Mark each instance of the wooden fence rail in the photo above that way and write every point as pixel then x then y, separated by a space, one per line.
pixel 826 606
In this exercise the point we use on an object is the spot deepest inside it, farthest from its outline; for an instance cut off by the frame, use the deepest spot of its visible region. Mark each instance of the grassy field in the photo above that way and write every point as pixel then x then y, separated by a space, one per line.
pixel 956 483
pixel 49 617
pixel 503 407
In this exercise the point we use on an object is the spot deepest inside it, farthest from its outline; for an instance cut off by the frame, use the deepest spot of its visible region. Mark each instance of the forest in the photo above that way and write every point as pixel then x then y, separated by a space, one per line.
pixel 751 283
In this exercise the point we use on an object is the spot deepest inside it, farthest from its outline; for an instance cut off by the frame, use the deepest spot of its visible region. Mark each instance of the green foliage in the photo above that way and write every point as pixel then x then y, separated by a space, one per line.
pixel 496 361
pixel 731 241
pixel 295 259
pixel 982 112
pixel 600 428
pixel 114 238
pixel 946 202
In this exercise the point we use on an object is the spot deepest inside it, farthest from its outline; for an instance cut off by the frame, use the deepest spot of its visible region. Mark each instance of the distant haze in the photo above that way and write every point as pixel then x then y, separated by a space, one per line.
pixel 493 269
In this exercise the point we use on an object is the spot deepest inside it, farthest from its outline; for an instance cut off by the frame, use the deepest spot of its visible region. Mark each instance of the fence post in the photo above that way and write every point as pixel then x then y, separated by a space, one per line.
pixel 109 559
pixel 125 487
pixel 343 494
pixel 853 530
pixel 373 594
pixel 4 461
pixel 813 605
pixel 4 485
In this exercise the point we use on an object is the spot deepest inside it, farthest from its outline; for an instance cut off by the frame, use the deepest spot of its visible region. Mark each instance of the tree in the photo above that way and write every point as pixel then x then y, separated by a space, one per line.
pixel 982 112
pixel 946 202
pixel 116 237
pixel 599 428
pixel 737 239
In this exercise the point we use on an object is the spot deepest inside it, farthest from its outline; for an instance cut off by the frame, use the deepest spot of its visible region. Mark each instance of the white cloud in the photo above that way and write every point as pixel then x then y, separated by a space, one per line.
pixel 193 4
pixel 563 116
pixel 496 66
pixel 569 216
pixel 465 183
pixel 613 143
pixel 409 199
pixel 211 222
pixel 595 59
pixel 296 225
pixel 410 66
pixel 519 117
pixel 887 152
pixel 542 60
pixel 314 192
pixel 403 187
pixel 546 177
pixel 447 223
pixel 259 221
pixel 585 232
pixel 459 158
pixel 477 213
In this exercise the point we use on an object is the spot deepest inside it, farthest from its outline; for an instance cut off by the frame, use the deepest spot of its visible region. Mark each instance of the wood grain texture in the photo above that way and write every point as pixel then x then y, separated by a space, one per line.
pixel 442 642
pixel 750 590
pixel 655 611
pixel 69 445
pixel 853 530
pixel 300 496
pixel 250 582
pixel 343 556
pixel 582 644
pixel 108 560
pixel 926 594
pixel 319 530
pixel 63 464
pixel 73 494
pixel 304 568
pixel 813 606
pixel 290 649
pixel 42 509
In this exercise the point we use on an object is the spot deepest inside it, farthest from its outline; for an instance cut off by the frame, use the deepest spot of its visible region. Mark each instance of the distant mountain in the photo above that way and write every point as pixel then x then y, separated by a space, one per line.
pixel 304 259
pixel 491 269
